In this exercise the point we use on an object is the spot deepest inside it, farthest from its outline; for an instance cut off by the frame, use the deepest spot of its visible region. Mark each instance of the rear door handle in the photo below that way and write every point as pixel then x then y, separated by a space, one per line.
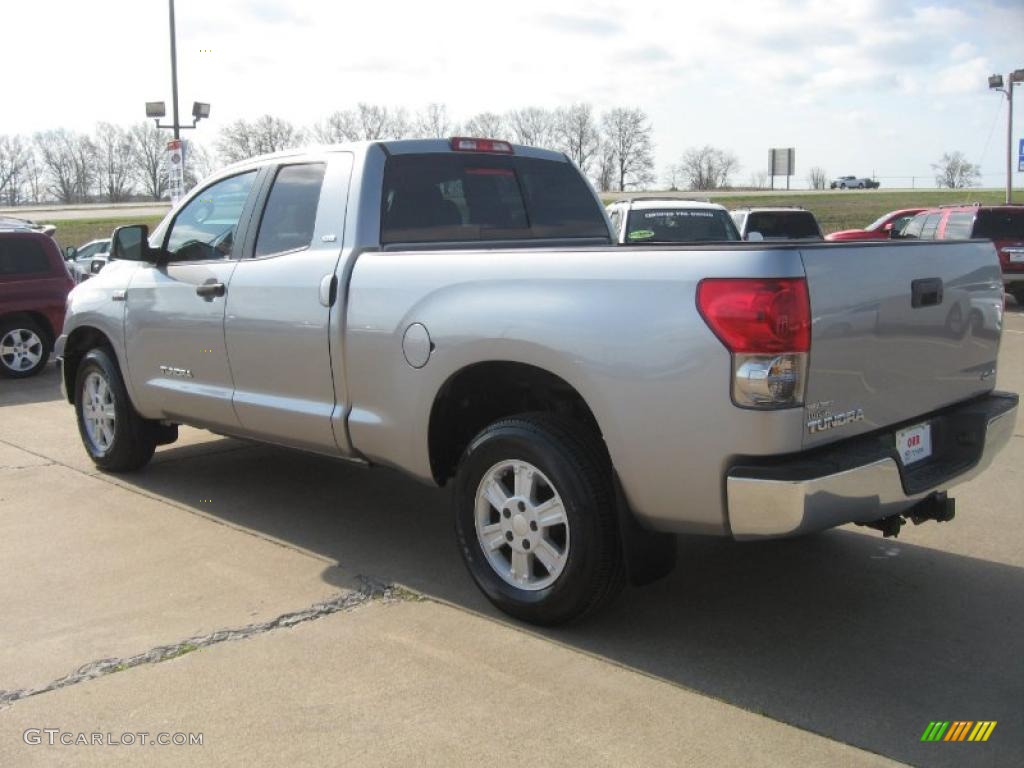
pixel 328 290
pixel 209 290
pixel 926 292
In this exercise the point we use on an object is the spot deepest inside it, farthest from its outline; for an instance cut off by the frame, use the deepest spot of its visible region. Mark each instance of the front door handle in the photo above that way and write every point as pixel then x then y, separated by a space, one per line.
pixel 209 290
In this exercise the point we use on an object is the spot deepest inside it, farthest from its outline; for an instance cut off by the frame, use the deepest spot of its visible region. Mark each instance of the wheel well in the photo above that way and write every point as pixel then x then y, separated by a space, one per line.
pixel 485 392
pixel 78 344
pixel 38 317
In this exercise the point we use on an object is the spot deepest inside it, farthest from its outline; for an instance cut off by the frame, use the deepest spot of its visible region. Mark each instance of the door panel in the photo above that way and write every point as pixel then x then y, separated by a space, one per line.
pixel 174 335
pixel 277 322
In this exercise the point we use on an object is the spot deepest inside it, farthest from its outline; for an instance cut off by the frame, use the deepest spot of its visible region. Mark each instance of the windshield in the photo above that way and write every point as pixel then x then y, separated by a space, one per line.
pixel 1000 225
pixel 679 225
pixel 784 225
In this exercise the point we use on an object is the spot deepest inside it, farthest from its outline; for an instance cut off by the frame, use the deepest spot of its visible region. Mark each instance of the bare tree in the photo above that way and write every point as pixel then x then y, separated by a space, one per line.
pixel 15 155
pixel 628 133
pixel 707 167
pixel 955 172
pixel 674 177
pixel 242 139
pixel 198 163
pixel 69 161
pixel 759 179
pixel 817 178
pixel 576 134
pixel 433 122
pixel 606 167
pixel 488 125
pixel 114 161
pixel 367 122
pixel 533 126
pixel 337 127
pixel 149 148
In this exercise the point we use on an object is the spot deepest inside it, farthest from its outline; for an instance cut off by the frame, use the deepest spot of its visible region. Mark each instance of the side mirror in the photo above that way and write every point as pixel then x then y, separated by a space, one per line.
pixel 754 237
pixel 70 252
pixel 131 243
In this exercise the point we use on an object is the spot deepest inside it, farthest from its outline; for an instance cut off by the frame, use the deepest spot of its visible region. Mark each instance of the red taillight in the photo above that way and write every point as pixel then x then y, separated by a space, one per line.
pixel 463 144
pixel 757 316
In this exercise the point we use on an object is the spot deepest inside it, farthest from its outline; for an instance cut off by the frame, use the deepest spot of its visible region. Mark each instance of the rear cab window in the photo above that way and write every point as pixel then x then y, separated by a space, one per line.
pixel 1000 224
pixel 679 225
pixel 456 197
pixel 784 225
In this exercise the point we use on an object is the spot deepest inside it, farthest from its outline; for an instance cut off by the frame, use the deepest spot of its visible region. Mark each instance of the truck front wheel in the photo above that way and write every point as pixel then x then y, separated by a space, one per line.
pixel 116 438
pixel 535 518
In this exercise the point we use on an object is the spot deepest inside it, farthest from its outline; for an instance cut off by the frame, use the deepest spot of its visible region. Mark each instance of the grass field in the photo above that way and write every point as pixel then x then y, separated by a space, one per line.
pixel 834 210
pixel 80 231
pixel 852 209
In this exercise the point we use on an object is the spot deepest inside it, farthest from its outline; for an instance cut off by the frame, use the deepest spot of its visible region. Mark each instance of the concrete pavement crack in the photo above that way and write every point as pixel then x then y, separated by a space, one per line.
pixel 370 590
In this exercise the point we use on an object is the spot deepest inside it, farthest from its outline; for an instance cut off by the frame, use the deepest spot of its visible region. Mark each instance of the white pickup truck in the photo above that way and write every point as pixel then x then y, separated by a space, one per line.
pixel 457 309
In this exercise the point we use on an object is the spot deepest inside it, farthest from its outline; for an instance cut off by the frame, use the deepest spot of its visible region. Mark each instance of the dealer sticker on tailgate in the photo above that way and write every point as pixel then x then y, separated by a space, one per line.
pixel 914 443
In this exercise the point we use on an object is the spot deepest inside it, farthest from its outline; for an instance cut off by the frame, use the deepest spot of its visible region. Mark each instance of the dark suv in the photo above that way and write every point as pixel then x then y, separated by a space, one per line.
pixel 34 285
pixel 1002 224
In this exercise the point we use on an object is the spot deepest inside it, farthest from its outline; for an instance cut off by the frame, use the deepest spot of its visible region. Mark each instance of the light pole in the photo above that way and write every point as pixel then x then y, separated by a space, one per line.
pixel 996 83
pixel 157 109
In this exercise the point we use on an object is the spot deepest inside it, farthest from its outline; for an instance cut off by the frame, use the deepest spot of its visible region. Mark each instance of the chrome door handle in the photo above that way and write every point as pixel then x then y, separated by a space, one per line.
pixel 117 296
pixel 209 290
pixel 328 290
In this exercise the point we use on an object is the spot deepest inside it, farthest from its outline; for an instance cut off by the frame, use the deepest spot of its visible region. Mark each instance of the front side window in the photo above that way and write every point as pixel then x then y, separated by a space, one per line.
pixel 290 213
pixel 205 228
pixel 680 225
pixel 458 197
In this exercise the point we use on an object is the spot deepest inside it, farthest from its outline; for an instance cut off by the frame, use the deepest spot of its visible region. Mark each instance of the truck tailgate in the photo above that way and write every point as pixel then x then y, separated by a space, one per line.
pixel 898 330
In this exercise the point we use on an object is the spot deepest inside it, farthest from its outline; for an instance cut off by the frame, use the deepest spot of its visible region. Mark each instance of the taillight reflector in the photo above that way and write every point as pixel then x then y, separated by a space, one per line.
pixel 463 144
pixel 757 316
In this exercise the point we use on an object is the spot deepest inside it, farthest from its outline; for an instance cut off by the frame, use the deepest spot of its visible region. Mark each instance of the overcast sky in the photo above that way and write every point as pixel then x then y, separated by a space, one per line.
pixel 856 87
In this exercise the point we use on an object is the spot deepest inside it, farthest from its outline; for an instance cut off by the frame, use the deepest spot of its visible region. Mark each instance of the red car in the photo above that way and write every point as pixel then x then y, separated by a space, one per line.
pixel 34 285
pixel 879 229
pixel 1002 224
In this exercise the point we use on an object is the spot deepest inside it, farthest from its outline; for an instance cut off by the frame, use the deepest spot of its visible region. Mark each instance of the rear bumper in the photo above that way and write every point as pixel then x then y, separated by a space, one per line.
pixel 862 480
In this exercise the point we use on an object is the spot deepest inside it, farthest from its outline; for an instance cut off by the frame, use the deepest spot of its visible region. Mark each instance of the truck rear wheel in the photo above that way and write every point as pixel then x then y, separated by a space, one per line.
pixel 116 438
pixel 536 521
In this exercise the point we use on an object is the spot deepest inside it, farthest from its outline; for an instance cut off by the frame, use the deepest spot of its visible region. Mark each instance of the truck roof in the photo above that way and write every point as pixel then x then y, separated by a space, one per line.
pixel 391 146
pixel 662 203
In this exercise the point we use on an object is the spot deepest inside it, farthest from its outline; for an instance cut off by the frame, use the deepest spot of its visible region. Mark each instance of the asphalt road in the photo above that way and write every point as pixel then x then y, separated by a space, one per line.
pixel 294 609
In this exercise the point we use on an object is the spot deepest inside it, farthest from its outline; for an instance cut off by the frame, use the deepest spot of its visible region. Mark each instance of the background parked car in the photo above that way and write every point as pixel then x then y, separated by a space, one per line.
pixel 86 260
pixel 13 222
pixel 854 182
pixel 1002 224
pixel 34 285
pixel 780 223
pixel 880 229
pixel 670 220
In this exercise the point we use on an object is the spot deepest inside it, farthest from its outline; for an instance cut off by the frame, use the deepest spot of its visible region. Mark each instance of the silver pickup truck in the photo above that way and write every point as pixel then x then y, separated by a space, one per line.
pixel 456 309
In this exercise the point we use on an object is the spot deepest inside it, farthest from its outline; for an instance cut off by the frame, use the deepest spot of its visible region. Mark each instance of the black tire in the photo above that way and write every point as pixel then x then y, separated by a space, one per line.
pixel 842 186
pixel 134 438
pixel 23 330
pixel 1017 291
pixel 574 461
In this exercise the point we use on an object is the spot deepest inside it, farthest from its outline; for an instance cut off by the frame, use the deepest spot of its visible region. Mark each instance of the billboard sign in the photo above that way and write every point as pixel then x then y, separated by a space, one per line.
pixel 782 162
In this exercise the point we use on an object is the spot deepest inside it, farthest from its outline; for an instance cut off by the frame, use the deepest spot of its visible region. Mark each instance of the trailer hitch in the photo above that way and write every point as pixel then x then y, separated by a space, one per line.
pixel 937 506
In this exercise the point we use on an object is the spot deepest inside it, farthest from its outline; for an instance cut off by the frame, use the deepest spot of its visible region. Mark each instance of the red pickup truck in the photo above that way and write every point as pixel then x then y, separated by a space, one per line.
pixel 34 286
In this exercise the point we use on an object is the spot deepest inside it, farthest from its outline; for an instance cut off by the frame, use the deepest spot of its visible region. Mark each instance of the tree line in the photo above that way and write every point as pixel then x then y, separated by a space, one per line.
pixel 615 149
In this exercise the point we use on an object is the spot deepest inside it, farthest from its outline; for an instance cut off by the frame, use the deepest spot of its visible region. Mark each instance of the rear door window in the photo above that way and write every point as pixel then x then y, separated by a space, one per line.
pixel 958 226
pixel 913 229
pixel 452 197
pixel 931 224
pixel 290 213
pixel 22 256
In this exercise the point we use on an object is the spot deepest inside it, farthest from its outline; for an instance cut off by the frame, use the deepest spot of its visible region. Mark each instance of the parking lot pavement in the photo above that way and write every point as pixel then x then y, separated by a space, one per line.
pixel 771 652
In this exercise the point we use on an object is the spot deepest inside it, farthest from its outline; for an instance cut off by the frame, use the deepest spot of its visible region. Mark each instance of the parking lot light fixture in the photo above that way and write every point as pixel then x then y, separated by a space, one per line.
pixel 997 83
